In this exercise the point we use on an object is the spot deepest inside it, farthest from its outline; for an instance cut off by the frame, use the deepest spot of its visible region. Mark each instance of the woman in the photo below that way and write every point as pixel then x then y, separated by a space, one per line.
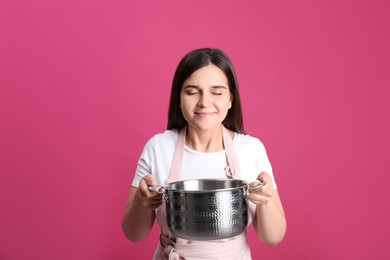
pixel 204 111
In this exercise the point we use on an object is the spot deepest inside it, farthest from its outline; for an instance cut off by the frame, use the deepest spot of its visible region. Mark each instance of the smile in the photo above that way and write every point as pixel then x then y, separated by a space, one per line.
pixel 204 114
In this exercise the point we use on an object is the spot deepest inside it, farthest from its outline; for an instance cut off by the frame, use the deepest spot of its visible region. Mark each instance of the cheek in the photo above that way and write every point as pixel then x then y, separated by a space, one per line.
pixel 188 101
pixel 186 105
pixel 183 101
pixel 225 104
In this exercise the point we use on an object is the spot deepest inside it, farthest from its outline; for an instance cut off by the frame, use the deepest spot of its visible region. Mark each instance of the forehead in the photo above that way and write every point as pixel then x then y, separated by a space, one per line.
pixel 208 75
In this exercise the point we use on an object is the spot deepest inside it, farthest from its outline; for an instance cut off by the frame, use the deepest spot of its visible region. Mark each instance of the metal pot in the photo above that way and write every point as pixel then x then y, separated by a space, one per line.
pixel 206 209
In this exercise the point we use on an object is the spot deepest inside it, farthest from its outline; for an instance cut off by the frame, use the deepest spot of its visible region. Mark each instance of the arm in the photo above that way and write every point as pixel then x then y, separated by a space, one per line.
pixel 269 221
pixel 139 214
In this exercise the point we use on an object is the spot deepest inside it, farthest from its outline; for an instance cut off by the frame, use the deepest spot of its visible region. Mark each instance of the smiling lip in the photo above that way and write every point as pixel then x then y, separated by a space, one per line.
pixel 204 114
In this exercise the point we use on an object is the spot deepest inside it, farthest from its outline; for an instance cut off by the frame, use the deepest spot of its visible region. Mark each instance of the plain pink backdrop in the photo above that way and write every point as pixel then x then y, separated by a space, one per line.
pixel 84 84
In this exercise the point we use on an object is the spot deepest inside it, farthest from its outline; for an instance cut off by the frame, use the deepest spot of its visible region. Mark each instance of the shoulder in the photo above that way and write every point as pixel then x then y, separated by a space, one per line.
pixel 166 136
pixel 164 139
pixel 248 142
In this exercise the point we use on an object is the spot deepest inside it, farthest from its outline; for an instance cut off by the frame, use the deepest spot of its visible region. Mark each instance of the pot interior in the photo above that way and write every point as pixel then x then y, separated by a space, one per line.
pixel 210 185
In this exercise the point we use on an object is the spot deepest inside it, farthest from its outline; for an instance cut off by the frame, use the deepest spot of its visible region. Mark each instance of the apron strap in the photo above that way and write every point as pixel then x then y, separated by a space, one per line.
pixel 174 174
pixel 232 170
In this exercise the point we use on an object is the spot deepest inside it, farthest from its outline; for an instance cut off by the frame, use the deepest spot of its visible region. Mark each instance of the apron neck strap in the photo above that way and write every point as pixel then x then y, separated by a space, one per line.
pixel 232 170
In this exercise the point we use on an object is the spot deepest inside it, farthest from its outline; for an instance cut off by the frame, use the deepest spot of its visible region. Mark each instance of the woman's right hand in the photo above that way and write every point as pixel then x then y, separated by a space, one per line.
pixel 139 214
pixel 148 199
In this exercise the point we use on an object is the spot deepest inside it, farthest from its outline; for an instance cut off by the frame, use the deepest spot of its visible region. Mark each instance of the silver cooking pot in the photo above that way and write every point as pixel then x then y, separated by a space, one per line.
pixel 207 209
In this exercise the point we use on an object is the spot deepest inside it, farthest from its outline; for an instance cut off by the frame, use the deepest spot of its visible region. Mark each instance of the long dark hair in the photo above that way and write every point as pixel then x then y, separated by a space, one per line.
pixel 193 61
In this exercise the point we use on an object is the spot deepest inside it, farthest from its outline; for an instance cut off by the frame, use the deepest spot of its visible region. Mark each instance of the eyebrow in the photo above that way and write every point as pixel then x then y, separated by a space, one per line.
pixel 197 87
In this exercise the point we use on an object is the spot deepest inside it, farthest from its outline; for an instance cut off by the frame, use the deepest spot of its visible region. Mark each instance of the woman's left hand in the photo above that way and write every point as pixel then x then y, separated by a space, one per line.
pixel 263 195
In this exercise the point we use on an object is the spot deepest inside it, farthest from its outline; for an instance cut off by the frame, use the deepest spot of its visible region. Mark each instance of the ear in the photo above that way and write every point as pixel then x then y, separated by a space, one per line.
pixel 231 101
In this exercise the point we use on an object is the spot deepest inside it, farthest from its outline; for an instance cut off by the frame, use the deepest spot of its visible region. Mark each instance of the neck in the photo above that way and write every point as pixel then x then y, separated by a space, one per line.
pixel 205 141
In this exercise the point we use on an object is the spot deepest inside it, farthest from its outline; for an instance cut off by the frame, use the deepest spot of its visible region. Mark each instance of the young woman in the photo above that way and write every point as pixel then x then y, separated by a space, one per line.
pixel 204 110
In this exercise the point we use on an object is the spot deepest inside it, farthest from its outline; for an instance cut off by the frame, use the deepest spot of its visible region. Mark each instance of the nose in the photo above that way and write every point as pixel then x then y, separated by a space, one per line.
pixel 204 100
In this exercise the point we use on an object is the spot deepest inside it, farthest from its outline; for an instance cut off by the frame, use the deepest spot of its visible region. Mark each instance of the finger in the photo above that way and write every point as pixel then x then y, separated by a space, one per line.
pixel 259 200
pixel 150 200
pixel 150 180
pixel 254 188
pixel 254 185
pixel 146 193
pixel 156 203
pixel 147 181
pixel 143 187
pixel 154 206
pixel 261 192
pixel 264 177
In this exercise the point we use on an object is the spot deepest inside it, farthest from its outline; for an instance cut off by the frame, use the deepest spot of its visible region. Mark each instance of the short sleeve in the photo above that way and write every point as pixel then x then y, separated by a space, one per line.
pixel 265 164
pixel 145 162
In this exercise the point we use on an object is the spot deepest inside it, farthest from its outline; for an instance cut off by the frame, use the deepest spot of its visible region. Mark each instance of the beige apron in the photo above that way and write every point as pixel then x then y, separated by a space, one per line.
pixel 175 248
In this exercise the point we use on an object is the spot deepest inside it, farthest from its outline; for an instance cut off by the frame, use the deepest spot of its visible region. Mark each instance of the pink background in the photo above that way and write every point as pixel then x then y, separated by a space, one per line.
pixel 84 84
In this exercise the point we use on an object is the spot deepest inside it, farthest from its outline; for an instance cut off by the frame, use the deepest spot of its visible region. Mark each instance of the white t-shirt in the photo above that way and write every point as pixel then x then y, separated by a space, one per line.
pixel 157 156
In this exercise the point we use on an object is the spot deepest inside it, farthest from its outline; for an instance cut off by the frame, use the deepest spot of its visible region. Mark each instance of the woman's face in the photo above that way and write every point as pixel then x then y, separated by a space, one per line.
pixel 205 98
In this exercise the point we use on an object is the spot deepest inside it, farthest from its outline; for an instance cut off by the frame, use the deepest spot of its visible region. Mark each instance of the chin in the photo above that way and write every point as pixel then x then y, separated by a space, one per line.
pixel 205 127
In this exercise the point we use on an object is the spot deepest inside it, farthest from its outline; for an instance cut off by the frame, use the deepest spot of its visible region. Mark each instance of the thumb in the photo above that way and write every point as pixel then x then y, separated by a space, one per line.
pixel 150 180
pixel 264 177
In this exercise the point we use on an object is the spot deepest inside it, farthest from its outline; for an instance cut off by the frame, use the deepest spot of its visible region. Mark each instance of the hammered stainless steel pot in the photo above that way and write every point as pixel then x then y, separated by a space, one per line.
pixel 206 209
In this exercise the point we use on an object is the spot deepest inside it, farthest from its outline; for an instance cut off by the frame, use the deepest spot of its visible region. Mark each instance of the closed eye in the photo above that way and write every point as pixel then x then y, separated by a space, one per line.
pixel 192 93
pixel 218 90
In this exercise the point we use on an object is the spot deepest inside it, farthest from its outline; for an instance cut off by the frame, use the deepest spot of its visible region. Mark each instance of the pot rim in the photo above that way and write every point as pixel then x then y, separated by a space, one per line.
pixel 245 184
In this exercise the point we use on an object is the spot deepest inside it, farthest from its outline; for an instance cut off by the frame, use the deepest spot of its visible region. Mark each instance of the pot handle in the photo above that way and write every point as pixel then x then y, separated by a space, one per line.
pixel 157 188
pixel 258 185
